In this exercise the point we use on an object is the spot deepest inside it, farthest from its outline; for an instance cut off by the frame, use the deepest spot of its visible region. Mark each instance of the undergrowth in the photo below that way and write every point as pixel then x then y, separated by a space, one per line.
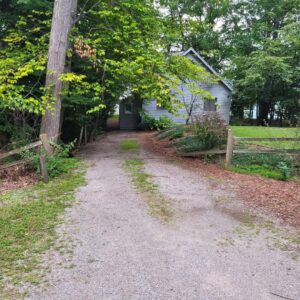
pixel 27 226
pixel 277 166
pixel 172 133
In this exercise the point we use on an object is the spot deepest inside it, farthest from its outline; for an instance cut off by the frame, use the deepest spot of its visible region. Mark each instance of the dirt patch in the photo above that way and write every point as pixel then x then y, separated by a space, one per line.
pixel 16 177
pixel 279 198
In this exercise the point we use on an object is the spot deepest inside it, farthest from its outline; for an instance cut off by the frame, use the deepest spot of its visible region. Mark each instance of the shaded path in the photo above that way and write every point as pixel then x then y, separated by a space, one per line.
pixel 212 248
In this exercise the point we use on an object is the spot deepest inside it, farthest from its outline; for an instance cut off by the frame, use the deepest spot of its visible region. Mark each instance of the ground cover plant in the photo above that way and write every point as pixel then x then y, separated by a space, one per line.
pixel 171 133
pixel 151 123
pixel 27 225
pixel 277 166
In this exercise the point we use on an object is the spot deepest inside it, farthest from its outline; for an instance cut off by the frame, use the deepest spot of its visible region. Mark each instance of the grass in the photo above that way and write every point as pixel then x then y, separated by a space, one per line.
pixel 269 132
pixel 27 226
pixel 278 166
pixel 157 204
pixel 259 170
pixel 129 145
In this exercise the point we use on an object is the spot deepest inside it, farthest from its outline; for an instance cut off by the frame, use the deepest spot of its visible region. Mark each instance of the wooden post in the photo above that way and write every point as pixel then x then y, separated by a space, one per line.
pixel 80 137
pixel 85 135
pixel 229 151
pixel 43 166
pixel 46 145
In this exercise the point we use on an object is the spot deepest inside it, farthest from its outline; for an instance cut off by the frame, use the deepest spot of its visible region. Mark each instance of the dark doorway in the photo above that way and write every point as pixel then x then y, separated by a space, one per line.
pixel 130 113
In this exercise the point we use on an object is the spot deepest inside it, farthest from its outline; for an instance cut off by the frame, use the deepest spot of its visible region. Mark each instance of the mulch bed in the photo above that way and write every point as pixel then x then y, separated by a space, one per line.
pixel 16 177
pixel 280 198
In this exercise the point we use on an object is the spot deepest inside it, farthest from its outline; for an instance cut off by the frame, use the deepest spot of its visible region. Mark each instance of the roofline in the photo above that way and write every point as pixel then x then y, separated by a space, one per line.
pixel 229 87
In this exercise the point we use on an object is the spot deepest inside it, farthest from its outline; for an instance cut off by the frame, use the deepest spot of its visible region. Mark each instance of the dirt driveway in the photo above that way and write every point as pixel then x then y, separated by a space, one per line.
pixel 112 246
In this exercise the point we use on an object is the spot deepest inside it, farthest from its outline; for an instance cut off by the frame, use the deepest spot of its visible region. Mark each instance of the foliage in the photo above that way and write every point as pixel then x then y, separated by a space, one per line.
pixel 58 163
pixel 172 133
pixel 27 225
pixel 151 123
pixel 187 144
pixel 210 130
pixel 277 166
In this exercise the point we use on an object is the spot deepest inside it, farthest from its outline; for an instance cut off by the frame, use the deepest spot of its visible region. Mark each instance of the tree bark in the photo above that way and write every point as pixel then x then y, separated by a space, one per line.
pixel 63 13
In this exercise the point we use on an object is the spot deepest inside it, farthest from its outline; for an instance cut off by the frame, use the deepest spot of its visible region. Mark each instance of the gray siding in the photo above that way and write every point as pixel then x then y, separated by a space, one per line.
pixel 217 90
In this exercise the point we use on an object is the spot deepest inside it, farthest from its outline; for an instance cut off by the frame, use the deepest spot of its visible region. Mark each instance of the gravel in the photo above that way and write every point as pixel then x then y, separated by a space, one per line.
pixel 213 248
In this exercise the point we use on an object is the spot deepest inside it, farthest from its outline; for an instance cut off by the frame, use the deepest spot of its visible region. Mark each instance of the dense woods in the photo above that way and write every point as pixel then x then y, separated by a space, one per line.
pixel 109 49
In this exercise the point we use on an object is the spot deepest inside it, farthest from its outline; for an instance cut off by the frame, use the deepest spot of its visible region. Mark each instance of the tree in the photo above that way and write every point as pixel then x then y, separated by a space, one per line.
pixel 62 21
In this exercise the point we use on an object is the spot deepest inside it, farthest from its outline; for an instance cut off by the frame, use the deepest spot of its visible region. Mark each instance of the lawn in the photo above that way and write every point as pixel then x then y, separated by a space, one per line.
pixel 269 132
pixel 277 166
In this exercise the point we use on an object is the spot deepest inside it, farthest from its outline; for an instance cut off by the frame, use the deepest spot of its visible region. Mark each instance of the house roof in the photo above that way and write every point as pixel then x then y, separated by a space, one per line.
pixel 207 65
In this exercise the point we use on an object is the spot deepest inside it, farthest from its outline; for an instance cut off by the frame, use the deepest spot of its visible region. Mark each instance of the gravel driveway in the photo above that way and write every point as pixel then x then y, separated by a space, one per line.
pixel 211 248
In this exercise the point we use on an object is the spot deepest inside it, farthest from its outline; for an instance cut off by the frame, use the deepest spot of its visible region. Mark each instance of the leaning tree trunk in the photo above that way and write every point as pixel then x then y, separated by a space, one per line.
pixel 63 13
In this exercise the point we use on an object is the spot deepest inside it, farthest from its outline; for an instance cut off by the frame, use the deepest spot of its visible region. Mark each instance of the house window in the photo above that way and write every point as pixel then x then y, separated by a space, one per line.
pixel 159 107
pixel 128 108
pixel 210 105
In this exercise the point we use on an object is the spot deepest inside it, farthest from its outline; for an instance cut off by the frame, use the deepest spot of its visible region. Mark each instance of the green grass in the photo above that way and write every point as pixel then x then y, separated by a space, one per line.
pixel 158 206
pixel 259 170
pixel 27 226
pixel 267 165
pixel 269 132
pixel 129 145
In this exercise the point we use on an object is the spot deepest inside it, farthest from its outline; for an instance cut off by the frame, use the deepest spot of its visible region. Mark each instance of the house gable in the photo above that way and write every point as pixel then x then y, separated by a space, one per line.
pixel 220 90
pixel 191 51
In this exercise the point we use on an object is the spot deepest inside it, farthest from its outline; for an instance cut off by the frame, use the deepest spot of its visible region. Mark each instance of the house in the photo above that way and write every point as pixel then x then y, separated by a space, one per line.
pixel 221 91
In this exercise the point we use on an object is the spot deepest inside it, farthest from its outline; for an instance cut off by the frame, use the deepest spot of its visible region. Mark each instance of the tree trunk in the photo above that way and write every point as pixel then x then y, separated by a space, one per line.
pixel 63 13
pixel 263 112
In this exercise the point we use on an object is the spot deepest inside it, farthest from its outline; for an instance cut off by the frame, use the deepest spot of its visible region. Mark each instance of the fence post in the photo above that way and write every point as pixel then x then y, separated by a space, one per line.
pixel 229 150
pixel 43 166
pixel 46 145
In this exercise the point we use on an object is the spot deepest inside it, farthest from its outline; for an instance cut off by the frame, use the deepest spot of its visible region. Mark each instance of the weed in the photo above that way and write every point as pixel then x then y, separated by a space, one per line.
pixel 277 166
pixel 129 145
pixel 158 206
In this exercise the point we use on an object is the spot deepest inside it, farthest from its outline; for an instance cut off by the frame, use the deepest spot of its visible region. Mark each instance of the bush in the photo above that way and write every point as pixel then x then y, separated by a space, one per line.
pixel 150 123
pixel 58 163
pixel 210 130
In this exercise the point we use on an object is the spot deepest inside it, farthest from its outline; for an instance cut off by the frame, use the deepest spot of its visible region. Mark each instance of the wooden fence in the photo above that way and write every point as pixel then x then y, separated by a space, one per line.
pixel 231 141
pixel 43 142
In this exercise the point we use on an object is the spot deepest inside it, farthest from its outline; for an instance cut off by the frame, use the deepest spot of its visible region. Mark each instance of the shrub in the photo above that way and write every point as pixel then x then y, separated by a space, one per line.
pixel 58 163
pixel 151 123
pixel 172 133
pixel 210 131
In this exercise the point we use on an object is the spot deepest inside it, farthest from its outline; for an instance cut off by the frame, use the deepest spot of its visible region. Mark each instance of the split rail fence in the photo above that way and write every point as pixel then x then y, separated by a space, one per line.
pixel 43 142
pixel 230 151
